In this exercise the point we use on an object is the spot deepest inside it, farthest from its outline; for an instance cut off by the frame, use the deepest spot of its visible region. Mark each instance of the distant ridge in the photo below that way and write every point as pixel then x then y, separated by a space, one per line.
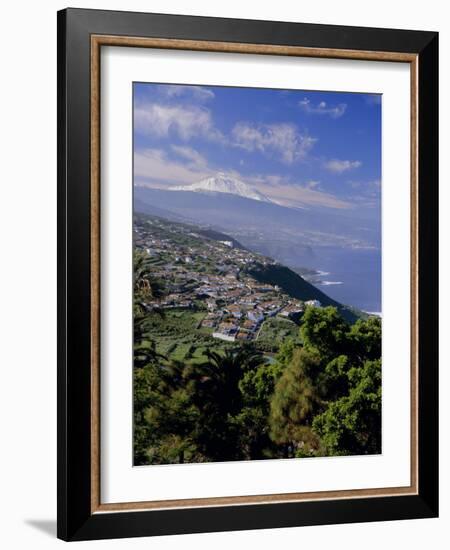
pixel 151 210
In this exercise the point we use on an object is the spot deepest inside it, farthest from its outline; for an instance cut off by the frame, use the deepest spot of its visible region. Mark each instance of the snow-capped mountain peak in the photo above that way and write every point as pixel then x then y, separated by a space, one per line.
pixel 223 183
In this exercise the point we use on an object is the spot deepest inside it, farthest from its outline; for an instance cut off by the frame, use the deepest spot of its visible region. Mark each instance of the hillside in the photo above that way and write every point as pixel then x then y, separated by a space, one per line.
pixel 293 284
pixel 199 263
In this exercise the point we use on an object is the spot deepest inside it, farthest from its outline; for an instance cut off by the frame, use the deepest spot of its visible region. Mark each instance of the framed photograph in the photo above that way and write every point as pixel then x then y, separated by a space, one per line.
pixel 247 274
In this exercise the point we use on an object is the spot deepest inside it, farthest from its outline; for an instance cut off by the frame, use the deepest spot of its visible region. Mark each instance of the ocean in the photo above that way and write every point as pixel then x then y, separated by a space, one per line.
pixel 351 276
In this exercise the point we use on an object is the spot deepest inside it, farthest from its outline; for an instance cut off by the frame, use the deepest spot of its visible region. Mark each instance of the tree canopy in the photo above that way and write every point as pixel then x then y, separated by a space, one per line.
pixel 319 396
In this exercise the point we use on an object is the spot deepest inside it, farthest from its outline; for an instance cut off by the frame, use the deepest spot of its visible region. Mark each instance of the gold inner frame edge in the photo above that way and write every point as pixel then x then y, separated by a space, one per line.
pixel 97 41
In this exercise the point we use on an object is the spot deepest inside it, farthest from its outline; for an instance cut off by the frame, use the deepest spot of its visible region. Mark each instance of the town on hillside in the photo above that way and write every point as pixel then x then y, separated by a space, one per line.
pixel 200 273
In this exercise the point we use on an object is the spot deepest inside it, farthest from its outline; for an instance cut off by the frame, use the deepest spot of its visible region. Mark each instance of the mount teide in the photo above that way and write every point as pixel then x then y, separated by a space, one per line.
pixel 223 183
pixel 258 222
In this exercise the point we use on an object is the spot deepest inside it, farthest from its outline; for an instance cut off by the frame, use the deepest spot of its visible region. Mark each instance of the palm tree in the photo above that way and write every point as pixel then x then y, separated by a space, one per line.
pixel 145 353
pixel 215 390
pixel 220 374
pixel 145 285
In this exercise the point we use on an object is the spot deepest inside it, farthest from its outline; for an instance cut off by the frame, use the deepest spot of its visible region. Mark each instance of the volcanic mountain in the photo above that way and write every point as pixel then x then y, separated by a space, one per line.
pixel 223 183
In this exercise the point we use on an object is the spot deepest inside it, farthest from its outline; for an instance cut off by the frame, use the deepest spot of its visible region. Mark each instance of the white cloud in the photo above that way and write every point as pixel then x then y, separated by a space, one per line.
pixel 280 139
pixel 194 158
pixel 368 192
pixel 282 190
pixel 322 108
pixel 153 167
pixel 183 121
pixel 273 179
pixel 297 195
pixel 312 184
pixel 340 166
pixel 197 92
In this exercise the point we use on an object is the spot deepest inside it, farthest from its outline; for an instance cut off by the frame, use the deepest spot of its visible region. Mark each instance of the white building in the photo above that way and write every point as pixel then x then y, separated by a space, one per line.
pixel 222 336
pixel 313 303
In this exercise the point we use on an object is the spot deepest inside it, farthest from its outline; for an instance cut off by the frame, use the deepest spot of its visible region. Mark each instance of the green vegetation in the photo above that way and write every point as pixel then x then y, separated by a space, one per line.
pixel 177 334
pixel 274 332
pixel 321 397
pixel 230 363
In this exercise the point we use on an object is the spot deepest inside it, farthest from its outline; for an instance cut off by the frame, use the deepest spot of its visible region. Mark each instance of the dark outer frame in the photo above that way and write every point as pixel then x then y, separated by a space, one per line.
pixel 76 520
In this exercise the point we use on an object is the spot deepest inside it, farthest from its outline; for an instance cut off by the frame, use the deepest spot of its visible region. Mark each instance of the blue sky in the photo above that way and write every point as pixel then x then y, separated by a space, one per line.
pixel 300 148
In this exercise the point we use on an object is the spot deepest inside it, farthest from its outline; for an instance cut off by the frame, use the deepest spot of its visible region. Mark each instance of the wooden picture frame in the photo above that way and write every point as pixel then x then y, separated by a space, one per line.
pixel 81 35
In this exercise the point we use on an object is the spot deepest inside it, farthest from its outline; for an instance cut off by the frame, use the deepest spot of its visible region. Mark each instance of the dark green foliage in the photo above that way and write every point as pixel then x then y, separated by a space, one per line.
pixel 328 399
pixel 351 425
pixel 218 397
pixel 335 377
pixel 162 414
pixel 295 402
pixel 257 387
pixel 366 337
pixel 325 330
pixel 309 387
pixel 320 396
pixel 286 351
pixel 349 421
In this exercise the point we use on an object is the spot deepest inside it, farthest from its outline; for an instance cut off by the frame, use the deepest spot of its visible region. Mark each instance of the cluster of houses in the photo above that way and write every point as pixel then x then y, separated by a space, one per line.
pixel 208 275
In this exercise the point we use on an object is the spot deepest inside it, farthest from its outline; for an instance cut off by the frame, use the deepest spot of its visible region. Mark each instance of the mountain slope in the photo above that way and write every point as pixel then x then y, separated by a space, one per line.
pixel 294 285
